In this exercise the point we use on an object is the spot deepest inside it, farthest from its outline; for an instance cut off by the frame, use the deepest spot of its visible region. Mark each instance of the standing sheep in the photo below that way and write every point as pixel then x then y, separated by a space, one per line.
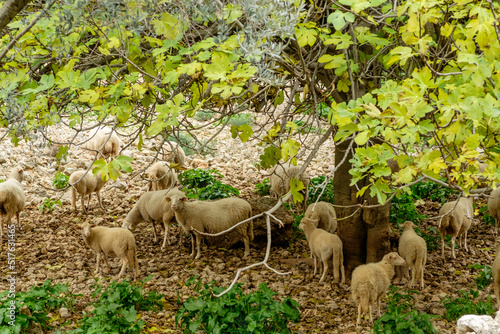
pixel 12 198
pixel 174 153
pixel 371 281
pixel 324 246
pixel 114 242
pixel 213 217
pixel 494 206
pixel 456 219
pixel 324 213
pixel 106 142
pixel 413 250
pixel 85 185
pixel 153 207
pixel 165 176
pixel 280 177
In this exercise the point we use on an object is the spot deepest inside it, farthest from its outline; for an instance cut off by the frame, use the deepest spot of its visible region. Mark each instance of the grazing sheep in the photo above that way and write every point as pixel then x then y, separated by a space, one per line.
pixel 324 246
pixel 153 207
pixel 494 206
pixel 105 144
pixel 280 176
pixel 413 249
pixel 85 185
pixel 12 198
pixel 455 221
pixel 371 281
pixel 324 213
pixel 174 153
pixel 167 178
pixel 213 217
pixel 115 242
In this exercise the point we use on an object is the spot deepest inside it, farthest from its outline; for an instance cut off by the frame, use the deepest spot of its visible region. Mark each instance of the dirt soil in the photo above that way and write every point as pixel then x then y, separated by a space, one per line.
pixel 50 246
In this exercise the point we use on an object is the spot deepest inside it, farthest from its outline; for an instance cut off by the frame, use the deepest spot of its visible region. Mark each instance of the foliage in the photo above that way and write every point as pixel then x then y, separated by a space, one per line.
pixel 400 318
pixel 235 312
pixel 316 186
pixel 431 236
pixel 466 304
pixel 304 127
pixel 48 205
pixel 203 116
pixel 118 308
pixel 433 191
pixel 204 184
pixel 487 218
pixel 240 119
pixel 185 141
pixel 485 276
pixel 111 170
pixel 403 208
pixel 39 300
pixel 263 188
pixel 60 180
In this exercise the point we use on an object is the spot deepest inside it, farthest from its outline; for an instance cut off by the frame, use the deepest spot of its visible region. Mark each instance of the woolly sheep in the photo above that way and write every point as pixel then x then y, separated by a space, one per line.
pixel 324 213
pixel 494 206
pixel 85 185
pixel 213 217
pixel 370 282
pixel 165 176
pixel 280 176
pixel 455 221
pixel 324 246
pixel 153 207
pixel 496 272
pixel 106 142
pixel 413 250
pixel 174 153
pixel 12 198
pixel 115 242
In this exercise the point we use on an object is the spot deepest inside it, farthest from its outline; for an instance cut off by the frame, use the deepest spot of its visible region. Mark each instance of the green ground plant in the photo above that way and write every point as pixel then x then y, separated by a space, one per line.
pixel 486 217
pixel 484 277
pixel 433 191
pixel 60 180
pixel 467 303
pixel 203 116
pixel 314 190
pixel 263 188
pixel 205 184
pixel 48 205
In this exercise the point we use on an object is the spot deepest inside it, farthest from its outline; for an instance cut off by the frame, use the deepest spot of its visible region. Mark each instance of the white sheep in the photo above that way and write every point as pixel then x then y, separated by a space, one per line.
pixel 456 220
pixel 370 282
pixel 324 214
pixel 494 206
pixel 496 272
pixel 413 249
pixel 165 176
pixel 114 242
pixel 85 185
pixel 213 217
pixel 174 153
pixel 153 207
pixel 105 142
pixel 12 198
pixel 324 246
pixel 280 176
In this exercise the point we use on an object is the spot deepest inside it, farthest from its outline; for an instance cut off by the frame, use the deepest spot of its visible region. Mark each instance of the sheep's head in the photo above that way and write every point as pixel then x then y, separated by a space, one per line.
pixel 86 230
pixel 408 225
pixel 176 201
pixel 394 259
pixel 306 222
pixel 127 225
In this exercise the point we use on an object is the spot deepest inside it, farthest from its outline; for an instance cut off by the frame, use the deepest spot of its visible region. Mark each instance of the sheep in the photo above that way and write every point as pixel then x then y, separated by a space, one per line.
pixel 213 217
pixel 370 282
pixel 115 242
pixel 106 142
pixel 85 183
pixel 165 176
pixel 324 246
pixel 152 207
pixel 413 249
pixel 455 221
pixel 174 153
pixel 280 176
pixel 495 269
pixel 494 206
pixel 324 213
pixel 12 198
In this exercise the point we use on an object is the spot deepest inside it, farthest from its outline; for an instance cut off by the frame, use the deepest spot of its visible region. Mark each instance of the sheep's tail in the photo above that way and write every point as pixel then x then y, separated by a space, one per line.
pixel 250 227
pixel 364 290
pixel 132 258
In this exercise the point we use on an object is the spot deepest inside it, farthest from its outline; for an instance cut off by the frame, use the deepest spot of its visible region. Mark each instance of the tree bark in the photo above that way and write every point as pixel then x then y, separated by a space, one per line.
pixel 9 10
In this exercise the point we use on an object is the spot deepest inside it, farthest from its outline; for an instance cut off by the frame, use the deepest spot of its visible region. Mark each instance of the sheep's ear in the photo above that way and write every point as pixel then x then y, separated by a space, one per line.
pixel 79 227
pixel 167 199
pixel 92 226
pixel 184 199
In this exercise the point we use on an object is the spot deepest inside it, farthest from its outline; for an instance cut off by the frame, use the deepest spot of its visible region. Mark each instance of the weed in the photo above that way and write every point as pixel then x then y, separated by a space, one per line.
pixel 264 188
pixel 403 208
pixel 316 187
pixel 205 184
pixel 48 205
pixel 465 304
pixel 485 276
pixel 433 191
pixel 60 180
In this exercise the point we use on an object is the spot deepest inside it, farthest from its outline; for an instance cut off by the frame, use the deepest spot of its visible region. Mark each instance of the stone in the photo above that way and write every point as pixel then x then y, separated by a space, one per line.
pixel 477 324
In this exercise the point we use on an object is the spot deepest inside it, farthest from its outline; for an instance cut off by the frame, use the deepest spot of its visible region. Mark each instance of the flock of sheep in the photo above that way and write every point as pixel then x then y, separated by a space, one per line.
pixel 164 202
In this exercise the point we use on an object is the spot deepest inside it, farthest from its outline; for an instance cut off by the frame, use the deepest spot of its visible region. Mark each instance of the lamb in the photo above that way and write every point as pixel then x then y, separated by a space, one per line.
pixel 324 246
pixel 494 206
pixel 12 198
pixel 213 217
pixel 455 221
pixel 85 185
pixel 174 153
pixel 324 214
pixel 165 176
pixel 105 144
pixel 371 281
pixel 115 242
pixel 413 249
pixel 496 272
pixel 153 207
pixel 280 177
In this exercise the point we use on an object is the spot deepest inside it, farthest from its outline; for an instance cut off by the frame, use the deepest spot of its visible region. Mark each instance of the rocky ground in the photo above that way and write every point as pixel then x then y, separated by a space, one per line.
pixel 50 245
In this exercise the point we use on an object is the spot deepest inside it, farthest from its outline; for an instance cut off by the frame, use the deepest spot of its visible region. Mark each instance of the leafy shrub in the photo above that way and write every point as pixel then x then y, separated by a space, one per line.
pixel 60 180
pixel 487 218
pixel 315 190
pixel 205 184
pixel 48 205
pixel 203 116
pixel 433 191
pixel 485 276
pixel 263 188
pixel 117 308
pixel 403 208
pixel 431 237
pixel 235 312
pixel 455 308
pixel 400 318
pixel 40 300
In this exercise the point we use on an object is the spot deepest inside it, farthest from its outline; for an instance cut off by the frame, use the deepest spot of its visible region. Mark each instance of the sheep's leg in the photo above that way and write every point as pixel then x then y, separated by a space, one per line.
pixel 442 246
pixel 107 270
pixel 181 237
pixel 465 242
pixel 83 204
pixel 166 225
pixel 359 315
pixel 378 309
pixel 453 238
pixel 198 241
pixel 98 268
pixel 336 267
pixel 124 266
pixel 99 200
pixel 413 273
pixel 246 241
pixel 88 202
pixel 73 198
pixel 18 220
pixel 314 258
pixel 1 226
pixel 154 231
pixel 370 312
pixel 192 245
pixel 325 269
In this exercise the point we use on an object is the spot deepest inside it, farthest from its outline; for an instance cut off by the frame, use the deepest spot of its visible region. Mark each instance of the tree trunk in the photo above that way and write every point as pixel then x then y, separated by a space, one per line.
pixel 9 10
